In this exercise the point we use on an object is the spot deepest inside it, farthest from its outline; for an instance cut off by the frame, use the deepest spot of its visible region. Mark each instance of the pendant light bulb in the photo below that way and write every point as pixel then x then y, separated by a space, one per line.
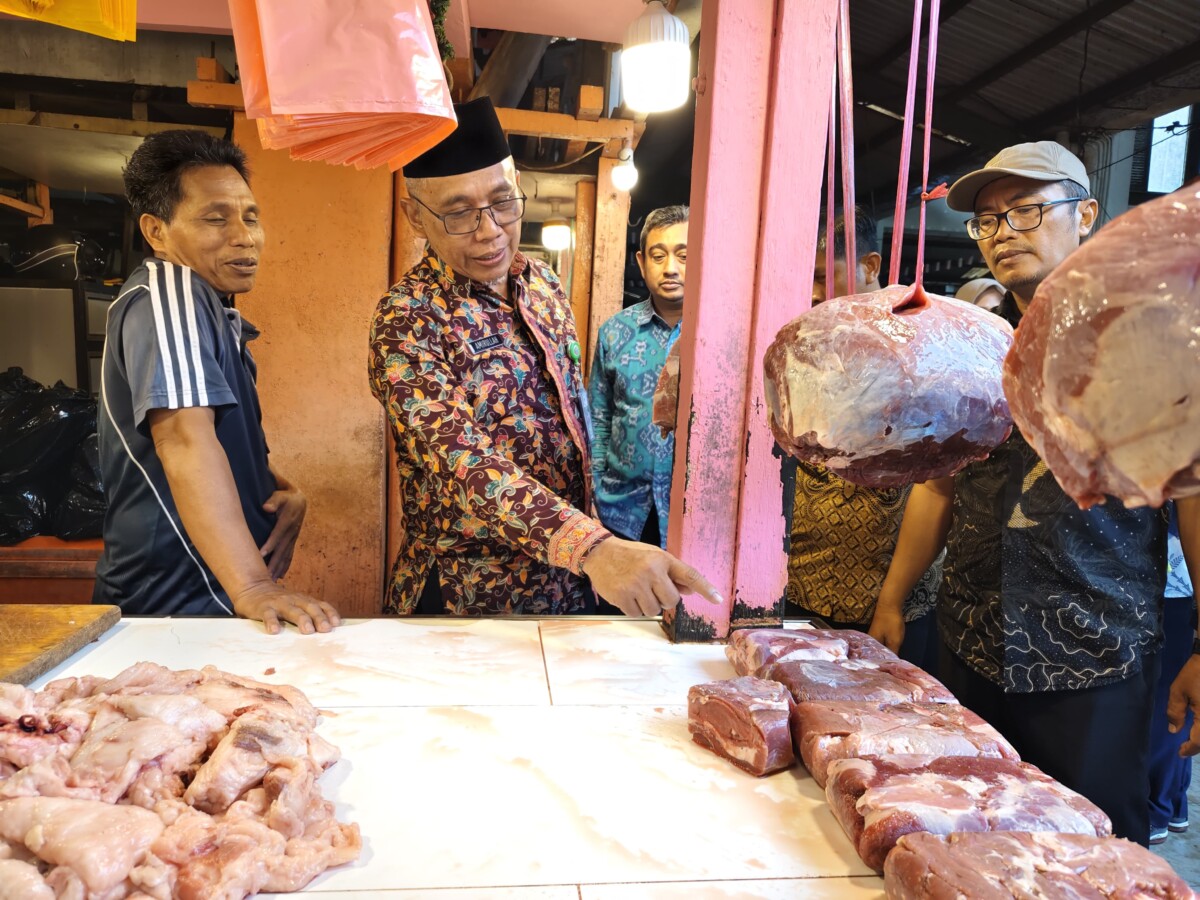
pixel 625 173
pixel 556 230
pixel 656 62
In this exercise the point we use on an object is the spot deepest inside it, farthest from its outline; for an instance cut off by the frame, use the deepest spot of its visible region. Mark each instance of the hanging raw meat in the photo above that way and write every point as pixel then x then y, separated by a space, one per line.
pixel 1104 375
pixel 886 389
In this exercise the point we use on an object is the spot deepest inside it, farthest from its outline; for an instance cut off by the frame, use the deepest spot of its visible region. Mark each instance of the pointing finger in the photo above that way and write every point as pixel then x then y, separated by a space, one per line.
pixel 690 581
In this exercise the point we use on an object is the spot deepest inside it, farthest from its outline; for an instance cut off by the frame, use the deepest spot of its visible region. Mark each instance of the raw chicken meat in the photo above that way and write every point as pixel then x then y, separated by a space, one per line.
pixel 837 729
pixel 751 650
pixel 22 881
pixel 99 842
pixel 161 783
pixel 1104 375
pixel 1007 865
pixel 664 411
pixel 256 742
pixel 877 801
pixel 884 392
pixel 883 681
pixel 745 720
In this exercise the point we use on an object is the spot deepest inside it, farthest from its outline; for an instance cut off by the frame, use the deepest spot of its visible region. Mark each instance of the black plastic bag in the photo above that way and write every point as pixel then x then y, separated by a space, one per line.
pixel 80 515
pixel 24 512
pixel 15 383
pixel 40 431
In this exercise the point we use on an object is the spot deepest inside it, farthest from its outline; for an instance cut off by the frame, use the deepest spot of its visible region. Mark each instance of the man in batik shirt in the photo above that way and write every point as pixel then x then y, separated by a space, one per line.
pixel 473 354
pixel 631 457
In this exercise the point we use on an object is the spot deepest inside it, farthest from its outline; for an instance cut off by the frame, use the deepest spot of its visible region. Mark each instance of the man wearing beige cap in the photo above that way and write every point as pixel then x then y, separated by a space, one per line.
pixel 1048 614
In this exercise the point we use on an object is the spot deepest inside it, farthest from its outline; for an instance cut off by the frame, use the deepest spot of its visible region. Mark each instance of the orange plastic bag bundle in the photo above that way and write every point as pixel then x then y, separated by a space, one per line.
pixel 349 83
pixel 116 19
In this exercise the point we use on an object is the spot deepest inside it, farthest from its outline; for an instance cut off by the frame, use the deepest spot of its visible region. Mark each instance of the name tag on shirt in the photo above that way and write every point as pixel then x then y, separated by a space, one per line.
pixel 488 342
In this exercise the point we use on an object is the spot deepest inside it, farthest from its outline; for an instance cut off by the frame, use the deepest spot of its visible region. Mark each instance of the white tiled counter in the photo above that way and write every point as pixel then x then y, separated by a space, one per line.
pixel 523 760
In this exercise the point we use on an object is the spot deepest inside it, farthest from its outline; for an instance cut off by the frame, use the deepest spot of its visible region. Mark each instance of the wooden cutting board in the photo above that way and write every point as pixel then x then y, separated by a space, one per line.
pixel 34 638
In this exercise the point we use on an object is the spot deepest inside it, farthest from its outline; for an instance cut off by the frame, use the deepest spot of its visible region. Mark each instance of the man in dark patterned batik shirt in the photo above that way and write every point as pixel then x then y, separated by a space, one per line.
pixel 473 354
pixel 1049 614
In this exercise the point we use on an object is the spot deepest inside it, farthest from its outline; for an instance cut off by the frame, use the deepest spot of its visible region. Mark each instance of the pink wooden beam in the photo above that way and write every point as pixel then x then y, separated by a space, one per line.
pixel 791 193
pixel 458 27
pixel 732 96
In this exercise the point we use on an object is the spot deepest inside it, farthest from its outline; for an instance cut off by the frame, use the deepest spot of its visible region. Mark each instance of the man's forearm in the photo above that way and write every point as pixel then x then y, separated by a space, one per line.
pixel 206 496
pixel 923 533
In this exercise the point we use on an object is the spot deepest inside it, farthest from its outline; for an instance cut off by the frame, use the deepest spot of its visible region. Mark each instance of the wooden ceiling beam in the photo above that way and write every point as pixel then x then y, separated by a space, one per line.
pixel 509 69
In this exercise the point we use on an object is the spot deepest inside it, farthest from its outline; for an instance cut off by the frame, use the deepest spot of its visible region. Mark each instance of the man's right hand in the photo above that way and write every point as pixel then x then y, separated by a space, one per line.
pixel 887 627
pixel 643 580
pixel 273 604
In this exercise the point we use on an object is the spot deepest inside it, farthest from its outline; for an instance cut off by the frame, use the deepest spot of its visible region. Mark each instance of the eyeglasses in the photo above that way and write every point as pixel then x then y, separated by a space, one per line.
pixel 466 221
pixel 1019 218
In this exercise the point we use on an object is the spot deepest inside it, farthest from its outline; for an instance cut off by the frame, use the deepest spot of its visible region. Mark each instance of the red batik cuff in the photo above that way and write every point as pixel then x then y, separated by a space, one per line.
pixel 572 543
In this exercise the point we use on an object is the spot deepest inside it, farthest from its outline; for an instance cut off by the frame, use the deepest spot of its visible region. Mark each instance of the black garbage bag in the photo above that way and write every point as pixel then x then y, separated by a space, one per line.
pixel 24 512
pixel 14 383
pixel 40 431
pixel 80 515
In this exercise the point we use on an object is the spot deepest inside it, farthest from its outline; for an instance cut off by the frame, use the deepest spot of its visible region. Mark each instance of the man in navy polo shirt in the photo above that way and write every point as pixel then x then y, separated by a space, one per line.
pixel 198 523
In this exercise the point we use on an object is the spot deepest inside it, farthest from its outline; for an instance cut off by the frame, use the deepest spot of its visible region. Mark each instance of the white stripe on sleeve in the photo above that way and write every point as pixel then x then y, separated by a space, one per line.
pixel 185 374
pixel 189 306
pixel 154 282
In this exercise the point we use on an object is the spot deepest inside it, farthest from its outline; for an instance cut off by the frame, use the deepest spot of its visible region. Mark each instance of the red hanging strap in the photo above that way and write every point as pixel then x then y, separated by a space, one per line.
pixel 830 165
pixel 910 101
pixel 846 104
pixel 917 298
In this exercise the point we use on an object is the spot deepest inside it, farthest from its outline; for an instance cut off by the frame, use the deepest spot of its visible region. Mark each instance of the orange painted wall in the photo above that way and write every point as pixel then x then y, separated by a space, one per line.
pixel 325 265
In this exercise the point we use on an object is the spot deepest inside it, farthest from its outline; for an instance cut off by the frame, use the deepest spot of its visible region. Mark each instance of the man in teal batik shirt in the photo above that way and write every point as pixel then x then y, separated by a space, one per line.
pixel 631 460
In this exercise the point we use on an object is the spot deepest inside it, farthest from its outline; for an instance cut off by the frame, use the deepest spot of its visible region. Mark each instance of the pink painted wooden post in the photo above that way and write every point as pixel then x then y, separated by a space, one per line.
pixel 795 160
pixel 750 144
pixel 732 91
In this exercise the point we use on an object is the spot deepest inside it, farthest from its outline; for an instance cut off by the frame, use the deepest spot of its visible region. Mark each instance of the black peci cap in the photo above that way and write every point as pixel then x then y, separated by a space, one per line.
pixel 477 142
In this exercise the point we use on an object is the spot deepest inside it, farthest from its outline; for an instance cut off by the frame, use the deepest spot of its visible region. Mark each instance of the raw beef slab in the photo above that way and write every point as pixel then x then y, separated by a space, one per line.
pixel 1007 865
pixel 827 730
pixel 751 650
pixel 877 801
pixel 883 681
pixel 746 720
pixel 1104 375
pixel 885 392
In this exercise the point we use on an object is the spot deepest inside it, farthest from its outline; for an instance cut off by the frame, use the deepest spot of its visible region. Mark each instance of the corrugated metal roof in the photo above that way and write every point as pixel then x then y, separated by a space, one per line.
pixel 1038 97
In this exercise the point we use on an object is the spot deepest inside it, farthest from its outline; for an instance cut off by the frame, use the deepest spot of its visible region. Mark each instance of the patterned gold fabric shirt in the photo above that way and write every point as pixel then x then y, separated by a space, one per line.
pixel 483 401
pixel 842 539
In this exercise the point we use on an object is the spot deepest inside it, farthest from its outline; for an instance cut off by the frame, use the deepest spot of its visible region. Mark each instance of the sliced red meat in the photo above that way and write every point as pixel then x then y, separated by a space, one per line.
pixel 877 801
pixel 862 646
pixel 883 681
pixel 1007 865
pixel 751 650
pixel 884 395
pixel 827 730
pixel 746 720
pixel 1104 375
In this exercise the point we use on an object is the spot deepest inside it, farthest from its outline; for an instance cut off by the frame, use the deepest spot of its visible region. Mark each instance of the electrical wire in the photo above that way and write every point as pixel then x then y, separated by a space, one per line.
pixel 1175 133
pixel 564 165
